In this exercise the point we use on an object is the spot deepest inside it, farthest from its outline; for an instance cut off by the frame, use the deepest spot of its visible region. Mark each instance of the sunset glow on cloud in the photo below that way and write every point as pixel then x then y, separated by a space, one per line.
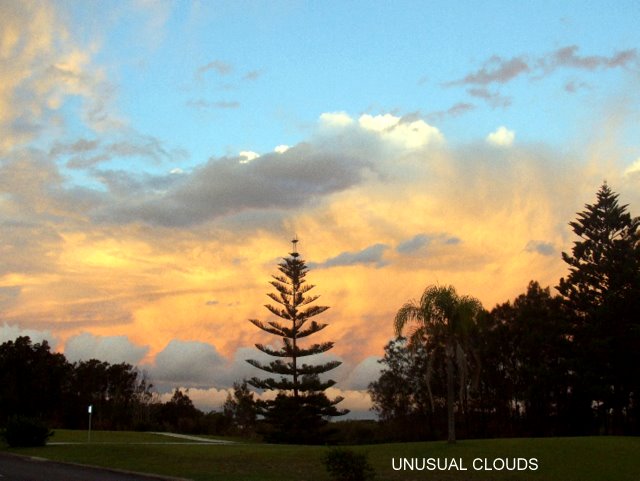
pixel 144 206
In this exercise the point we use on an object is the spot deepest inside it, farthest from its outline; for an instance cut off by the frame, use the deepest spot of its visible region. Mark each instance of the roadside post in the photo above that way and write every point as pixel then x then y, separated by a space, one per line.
pixel 90 410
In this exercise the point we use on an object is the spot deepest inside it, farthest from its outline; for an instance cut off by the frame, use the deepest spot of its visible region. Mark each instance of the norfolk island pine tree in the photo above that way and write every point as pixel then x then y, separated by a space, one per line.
pixel 300 409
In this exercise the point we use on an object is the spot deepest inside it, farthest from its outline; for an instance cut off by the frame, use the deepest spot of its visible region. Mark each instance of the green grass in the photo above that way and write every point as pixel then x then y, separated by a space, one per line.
pixel 559 459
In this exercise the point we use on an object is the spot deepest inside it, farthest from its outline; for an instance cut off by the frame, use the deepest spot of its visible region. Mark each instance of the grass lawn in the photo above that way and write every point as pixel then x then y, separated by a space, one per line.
pixel 559 459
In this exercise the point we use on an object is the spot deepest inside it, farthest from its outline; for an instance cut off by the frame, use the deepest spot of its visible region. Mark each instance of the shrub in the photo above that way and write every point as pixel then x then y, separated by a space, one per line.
pixel 23 432
pixel 347 465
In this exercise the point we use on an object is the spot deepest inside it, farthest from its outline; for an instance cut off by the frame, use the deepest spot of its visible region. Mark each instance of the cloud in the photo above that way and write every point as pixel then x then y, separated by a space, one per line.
pixel 456 110
pixel 363 374
pixel 86 153
pixel 112 349
pixel 498 71
pixel 187 363
pixel 414 244
pixel 218 66
pixel 418 244
pixel 541 247
pixel 501 137
pixel 373 254
pixel 633 169
pixel 218 105
pixel 247 156
pixel 231 185
pixel 494 99
pixel 252 75
pixel 12 332
pixel 574 86
pixel 568 57
pixel 495 70
pixel 336 119
pixel 409 134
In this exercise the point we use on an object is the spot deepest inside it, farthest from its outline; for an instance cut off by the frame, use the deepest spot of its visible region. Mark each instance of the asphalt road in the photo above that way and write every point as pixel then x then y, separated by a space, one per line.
pixel 19 468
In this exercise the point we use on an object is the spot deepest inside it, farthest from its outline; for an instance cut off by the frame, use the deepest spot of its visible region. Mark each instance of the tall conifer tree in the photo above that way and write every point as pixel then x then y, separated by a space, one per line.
pixel 301 408
pixel 602 292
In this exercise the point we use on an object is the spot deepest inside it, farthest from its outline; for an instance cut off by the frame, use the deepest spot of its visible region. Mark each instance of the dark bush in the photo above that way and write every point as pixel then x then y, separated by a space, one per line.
pixel 24 432
pixel 347 465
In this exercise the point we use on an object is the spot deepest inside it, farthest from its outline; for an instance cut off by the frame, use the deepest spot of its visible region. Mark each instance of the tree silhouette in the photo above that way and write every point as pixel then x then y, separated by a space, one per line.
pixel 300 409
pixel 602 291
pixel 443 321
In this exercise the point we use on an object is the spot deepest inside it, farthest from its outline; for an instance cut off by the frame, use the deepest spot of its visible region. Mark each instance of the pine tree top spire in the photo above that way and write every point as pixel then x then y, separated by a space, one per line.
pixel 294 246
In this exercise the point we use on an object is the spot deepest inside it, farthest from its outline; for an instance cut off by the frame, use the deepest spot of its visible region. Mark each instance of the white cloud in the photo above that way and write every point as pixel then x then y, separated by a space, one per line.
pixel 378 123
pixel 633 169
pixel 281 149
pixel 410 135
pixel 358 403
pixel 336 119
pixel 112 349
pixel 247 156
pixel 502 137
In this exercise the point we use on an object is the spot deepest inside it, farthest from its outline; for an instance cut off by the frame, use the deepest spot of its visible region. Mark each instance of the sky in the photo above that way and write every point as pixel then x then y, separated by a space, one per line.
pixel 157 157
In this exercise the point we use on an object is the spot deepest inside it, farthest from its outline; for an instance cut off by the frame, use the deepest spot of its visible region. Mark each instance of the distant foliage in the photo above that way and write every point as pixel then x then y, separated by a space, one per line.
pixel 346 465
pixel 240 408
pixel 23 431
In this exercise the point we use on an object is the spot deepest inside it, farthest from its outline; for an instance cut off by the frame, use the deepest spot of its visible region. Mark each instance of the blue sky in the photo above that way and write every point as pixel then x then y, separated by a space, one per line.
pixel 217 78
pixel 156 157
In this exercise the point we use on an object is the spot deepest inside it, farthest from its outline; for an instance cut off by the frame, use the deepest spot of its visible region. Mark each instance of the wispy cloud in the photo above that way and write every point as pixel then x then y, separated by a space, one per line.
pixel 217 104
pixel 456 110
pixel 217 66
pixel 568 57
pixel 496 72
pixel 252 75
pixel 372 255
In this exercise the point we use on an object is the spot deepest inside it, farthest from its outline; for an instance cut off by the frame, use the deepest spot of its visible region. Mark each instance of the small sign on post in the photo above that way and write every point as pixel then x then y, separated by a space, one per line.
pixel 90 411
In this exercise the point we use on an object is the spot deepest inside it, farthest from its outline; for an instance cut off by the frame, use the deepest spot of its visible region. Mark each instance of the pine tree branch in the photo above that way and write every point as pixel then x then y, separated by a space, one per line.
pixel 274 329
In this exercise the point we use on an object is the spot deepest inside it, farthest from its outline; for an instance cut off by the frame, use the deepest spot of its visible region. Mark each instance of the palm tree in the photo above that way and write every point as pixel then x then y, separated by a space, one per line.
pixel 442 320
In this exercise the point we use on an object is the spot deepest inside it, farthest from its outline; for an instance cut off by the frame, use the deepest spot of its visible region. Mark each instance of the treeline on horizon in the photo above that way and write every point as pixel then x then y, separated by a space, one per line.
pixel 542 365
pixel 39 385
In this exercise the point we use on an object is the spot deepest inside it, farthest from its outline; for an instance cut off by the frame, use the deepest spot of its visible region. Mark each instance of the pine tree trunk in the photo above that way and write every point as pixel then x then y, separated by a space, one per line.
pixel 451 422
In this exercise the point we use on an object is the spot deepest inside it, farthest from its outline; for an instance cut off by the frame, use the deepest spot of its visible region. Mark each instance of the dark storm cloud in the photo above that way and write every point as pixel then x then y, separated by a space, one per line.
pixel 227 186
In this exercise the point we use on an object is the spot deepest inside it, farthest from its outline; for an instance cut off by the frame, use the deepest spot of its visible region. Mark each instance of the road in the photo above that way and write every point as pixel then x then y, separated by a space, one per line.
pixel 19 468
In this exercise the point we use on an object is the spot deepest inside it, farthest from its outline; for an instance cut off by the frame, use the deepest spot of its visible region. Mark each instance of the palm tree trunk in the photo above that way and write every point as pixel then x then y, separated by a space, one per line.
pixel 451 422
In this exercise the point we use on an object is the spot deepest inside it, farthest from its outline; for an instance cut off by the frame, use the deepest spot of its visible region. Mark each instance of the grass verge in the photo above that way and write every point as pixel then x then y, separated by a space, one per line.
pixel 559 459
